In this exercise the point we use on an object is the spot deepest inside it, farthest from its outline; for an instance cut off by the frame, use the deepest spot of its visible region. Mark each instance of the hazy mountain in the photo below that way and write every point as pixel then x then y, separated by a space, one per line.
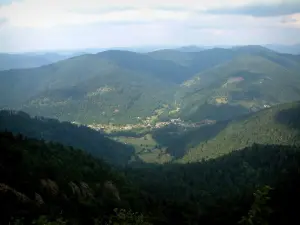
pixel 196 62
pixel 190 48
pixel 20 61
pixel 288 49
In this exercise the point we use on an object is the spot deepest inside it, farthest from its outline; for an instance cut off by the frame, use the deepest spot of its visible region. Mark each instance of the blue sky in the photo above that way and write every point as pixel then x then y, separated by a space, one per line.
pixel 29 25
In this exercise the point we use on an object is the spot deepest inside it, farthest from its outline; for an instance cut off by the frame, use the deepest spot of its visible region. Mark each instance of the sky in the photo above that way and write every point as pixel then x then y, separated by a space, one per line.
pixel 36 25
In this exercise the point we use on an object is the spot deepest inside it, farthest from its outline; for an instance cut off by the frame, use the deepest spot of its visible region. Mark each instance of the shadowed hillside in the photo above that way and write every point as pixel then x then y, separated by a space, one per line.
pixel 68 134
pixel 276 125
pixel 49 182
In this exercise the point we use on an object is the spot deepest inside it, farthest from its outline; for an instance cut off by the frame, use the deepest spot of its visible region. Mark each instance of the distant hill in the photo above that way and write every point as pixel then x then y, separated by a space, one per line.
pixel 288 49
pixel 122 87
pixel 277 125
pixel 21 61
pixel 68 134
pixel 190 48
pixel 196 61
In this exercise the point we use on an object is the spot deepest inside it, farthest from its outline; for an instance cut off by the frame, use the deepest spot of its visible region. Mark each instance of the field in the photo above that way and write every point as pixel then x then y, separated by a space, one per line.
pixel 147 149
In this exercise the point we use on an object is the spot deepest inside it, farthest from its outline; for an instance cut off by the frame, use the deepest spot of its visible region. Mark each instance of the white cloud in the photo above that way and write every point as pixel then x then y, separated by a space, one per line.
pixel 48 13
pixel 52 24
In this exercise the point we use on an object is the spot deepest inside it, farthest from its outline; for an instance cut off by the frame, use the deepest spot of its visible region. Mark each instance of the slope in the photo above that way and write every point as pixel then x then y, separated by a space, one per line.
pixel 243 85
pixel 277 125
pixel 220 191
pixel 41 181
pixel 112 86
pixel 68 134
pixel 45 182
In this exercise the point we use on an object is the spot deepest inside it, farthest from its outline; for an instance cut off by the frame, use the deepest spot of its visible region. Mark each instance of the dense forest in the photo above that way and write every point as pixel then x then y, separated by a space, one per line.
pixel 68 134
pixel 45 181
pixel 39 178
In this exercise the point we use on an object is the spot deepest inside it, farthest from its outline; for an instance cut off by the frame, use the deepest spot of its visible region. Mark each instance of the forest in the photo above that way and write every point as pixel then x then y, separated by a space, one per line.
pixel 48 183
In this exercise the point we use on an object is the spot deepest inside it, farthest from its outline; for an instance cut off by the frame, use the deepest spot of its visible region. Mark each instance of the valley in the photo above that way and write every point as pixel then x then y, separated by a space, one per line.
pixel 165 137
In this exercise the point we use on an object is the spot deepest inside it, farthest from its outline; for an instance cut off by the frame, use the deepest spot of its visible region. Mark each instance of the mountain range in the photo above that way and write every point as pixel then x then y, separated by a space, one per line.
pixel 124 87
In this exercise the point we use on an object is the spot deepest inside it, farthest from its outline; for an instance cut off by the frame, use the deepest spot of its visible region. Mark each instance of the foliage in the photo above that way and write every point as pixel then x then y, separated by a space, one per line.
pixel 276 125
pixel 48 179
pixel 259 210
pixel 68 134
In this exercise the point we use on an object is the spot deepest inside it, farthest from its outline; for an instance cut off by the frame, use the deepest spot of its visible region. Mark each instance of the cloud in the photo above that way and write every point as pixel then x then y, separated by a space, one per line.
pixel 35 14
pixel 292 21
pixel 63 24
pixel 3 20
pixel 288 20
pixel 286 7
pixel 49 13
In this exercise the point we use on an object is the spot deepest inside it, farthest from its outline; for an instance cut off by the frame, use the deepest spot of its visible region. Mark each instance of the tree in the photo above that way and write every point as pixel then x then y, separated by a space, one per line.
pixel 259 211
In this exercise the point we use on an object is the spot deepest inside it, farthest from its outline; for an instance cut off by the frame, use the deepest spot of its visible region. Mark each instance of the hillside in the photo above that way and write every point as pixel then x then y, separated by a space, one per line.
pixel 68 134
pixel 277 125
pixel 97 88
pixel 243 85
pixel 219 191
pixel 42 182
pixel 21 61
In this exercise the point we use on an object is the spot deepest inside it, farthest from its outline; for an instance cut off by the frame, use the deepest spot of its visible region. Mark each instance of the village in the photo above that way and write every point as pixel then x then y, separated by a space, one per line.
pixel 146 124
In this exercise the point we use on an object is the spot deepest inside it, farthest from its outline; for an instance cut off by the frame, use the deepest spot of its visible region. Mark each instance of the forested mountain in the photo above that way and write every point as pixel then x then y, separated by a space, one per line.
pixel 48 181
pixel 93 88
pixel 242 85
pixel 45 182
pixel 277 125
pixel 20 61
pixel 196 61
pixel 68 134
pixel 123 87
